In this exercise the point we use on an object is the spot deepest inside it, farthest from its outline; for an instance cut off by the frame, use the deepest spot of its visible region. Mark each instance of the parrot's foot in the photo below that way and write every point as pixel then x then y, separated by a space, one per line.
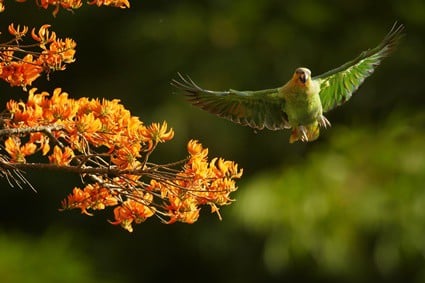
pixel 298 133
pixel 323 122
pixel 303 134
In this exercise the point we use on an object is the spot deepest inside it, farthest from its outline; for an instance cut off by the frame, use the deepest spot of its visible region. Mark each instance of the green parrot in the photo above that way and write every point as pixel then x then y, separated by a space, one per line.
pixel 300 103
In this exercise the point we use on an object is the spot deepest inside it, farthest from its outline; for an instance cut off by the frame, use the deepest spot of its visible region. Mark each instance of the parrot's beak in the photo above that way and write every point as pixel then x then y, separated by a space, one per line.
pixel 302 74
pixel 303 77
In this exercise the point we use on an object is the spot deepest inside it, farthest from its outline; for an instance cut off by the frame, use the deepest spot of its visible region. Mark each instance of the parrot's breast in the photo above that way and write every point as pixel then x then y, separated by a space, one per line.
pixel 303 106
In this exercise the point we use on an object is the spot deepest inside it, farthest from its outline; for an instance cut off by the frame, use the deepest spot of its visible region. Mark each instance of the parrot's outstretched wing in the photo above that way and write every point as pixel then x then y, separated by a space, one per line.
pixel 337 85
pixel 257 109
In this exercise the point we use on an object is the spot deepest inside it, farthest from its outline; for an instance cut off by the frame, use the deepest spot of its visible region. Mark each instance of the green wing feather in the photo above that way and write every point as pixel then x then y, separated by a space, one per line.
pixel 337 85
pixel 257 109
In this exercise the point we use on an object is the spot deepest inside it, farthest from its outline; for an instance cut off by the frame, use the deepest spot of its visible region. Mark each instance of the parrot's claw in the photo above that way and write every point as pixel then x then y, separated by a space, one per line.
pixel 323 122
pixel 303 133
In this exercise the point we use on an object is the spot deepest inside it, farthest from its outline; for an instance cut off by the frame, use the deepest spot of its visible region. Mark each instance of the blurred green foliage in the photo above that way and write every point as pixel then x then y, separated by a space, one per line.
pixel 355 207
pixel 347 208
pixel 51 258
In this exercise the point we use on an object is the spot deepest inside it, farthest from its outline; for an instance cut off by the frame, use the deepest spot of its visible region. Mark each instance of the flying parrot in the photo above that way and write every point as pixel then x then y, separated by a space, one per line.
pixel 300 103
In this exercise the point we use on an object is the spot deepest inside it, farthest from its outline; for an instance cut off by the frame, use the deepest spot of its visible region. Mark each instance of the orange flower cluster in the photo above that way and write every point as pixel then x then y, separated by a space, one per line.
pixel 86 123
pixel 74 4
pixel 16 151
pixel 102 141
pixel 181 194
pixel 210 183
pixel 53 54
pixel 113 3
pixel 92 197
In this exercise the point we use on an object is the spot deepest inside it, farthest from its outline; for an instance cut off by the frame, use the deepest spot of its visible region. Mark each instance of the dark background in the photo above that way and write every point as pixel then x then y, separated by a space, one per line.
pixel 349 207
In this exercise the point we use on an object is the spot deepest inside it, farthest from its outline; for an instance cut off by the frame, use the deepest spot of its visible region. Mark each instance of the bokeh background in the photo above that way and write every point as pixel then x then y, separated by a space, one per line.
pixel 349 207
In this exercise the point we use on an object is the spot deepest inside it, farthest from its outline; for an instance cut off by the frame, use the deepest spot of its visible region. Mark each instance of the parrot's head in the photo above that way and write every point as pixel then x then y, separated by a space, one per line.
pixel 301 76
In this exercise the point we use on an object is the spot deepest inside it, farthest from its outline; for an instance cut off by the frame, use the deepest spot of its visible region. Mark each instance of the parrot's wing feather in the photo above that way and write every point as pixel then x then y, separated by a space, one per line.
pixel 337 85
pixel 257 109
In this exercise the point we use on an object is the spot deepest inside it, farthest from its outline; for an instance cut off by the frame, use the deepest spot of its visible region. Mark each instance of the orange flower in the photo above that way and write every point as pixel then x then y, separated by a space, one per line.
pixel 78 199
pixel 43 140
pixel 66 4
pixel 157 133
pixel 20 73
pixel 60 157
pixel 125 158
pixel 222 168
pixel 44 35
pixel 135 210
pixel 114 3
pixel 123 216
pixel 58 53
pixel 88 124
pixel 100 198
pixel 182 210
pixel 36 99
pixel 18 152
pixel 194 148
pixel 18 32
pixel 60 107
pixel 7 56
pixel 91 197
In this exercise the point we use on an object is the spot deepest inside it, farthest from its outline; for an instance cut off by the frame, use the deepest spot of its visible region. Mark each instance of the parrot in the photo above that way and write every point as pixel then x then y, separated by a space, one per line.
pixel 299 104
